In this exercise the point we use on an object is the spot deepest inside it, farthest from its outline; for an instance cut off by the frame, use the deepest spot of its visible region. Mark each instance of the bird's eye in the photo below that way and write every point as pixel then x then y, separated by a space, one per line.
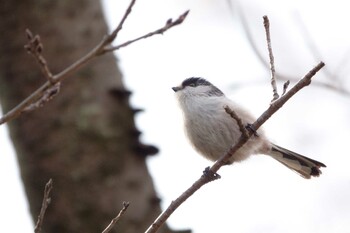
pixel 192 84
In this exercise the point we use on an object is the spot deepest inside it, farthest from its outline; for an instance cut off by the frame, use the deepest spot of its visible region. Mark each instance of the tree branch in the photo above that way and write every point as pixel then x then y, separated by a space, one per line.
pixel 204 179
pixel 285 87
pixel 272 59
pixel 35 48
pixel 280 76
pixel 114 34
pixel 44 205
pixel 169 24
pixel 239 121
pixel 116 219
pixel 49 89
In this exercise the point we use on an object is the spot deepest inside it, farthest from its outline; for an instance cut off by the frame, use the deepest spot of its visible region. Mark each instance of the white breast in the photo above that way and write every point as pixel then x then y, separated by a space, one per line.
pixel 212 131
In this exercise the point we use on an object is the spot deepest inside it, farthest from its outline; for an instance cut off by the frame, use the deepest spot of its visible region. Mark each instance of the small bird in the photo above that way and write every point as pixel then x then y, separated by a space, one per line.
pixel 212 131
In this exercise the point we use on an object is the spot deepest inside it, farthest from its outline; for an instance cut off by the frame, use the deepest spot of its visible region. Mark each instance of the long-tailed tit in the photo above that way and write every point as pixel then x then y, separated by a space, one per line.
pixel 212 131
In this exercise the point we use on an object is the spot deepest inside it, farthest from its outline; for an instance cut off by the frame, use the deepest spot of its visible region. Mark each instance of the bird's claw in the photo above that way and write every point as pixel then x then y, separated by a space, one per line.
pixel 210 174
pixel 251 128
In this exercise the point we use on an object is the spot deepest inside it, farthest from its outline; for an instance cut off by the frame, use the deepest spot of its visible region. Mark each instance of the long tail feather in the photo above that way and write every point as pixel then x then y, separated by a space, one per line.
pixel 305 166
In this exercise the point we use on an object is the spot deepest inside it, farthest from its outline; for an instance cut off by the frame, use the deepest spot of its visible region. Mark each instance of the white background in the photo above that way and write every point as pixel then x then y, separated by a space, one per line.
pixel 258 195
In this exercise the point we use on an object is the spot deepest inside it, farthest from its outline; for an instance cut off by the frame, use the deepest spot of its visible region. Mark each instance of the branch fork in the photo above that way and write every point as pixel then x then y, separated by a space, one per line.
pixel 51 88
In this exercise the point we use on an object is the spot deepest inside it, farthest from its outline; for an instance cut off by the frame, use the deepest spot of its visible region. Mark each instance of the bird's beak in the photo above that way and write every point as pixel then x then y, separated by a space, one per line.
pixel 176 88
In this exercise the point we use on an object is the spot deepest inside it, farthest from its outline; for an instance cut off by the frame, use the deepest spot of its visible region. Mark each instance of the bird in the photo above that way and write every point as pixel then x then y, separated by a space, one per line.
pixel 212 131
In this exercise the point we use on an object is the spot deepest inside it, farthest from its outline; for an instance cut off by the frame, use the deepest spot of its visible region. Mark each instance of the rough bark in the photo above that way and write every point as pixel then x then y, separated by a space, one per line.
pixel 85 139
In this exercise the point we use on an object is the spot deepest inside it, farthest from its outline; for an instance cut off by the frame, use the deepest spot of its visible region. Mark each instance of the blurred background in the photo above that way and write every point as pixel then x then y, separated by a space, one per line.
pixel 224 42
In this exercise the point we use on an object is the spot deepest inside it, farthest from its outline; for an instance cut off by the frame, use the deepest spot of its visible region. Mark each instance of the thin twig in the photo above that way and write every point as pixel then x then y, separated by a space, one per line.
pixel 48 95
pixel 36 98
pixel 285 87
pixel 114 34
pixel 272 59
pixel 284 77
pixel 169 24
pixel 239 121
pixel 306 80
pixel 44 205
pixel 116 219
pixel 35 48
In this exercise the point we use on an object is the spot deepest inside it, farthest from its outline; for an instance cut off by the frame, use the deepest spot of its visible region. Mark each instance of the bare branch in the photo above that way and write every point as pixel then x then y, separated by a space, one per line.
pixel 234 115
pixel 114 34
pixel 116 219
pixel 169 24
pixel 204 179
pixel 48 95
pixel 285 87
pixel 280 76
pixel 44 205
pixel 272 59
pixel 35 48
pixel 44 93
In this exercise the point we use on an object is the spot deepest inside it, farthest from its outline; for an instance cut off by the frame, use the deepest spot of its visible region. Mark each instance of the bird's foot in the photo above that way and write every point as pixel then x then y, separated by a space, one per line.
pixel 209 174
pixel 252 129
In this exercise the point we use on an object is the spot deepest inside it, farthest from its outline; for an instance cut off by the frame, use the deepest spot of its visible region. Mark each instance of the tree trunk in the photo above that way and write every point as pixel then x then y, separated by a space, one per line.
pixel 85 138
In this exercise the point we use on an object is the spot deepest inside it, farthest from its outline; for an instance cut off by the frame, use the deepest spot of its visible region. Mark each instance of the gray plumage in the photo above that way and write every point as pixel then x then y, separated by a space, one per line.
pixel 212 131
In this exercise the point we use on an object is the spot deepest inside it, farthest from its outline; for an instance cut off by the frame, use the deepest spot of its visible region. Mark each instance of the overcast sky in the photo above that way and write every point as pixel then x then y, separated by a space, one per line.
pixel 258 195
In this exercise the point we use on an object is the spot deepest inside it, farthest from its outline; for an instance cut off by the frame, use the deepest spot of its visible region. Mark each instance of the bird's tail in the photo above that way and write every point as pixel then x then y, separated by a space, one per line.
pixel 304 166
